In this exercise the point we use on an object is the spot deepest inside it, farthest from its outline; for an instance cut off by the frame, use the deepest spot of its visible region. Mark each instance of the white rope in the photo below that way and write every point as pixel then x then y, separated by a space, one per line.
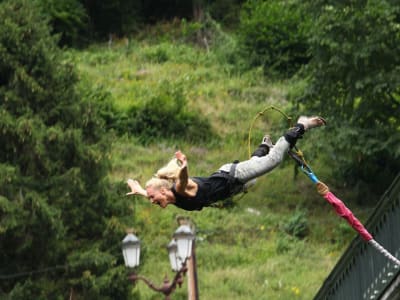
pixel 382 250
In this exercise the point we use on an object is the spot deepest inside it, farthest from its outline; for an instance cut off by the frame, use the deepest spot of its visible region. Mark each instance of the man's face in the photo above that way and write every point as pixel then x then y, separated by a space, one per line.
pixel 157 196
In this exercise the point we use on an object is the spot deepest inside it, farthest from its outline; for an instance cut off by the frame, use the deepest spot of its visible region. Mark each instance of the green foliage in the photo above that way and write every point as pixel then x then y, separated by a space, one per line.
pixel 167 116
pixel 273 35
pixel 98 96
pixel 225 11
pixel 353 80
pixel 343 232
pixel 68 19
pixel 159 110
pixel 157 54
pixel 224 44
pixel 212 36
pixel 297 224
pixel 190 29
pixel 284 244
pixel 55 198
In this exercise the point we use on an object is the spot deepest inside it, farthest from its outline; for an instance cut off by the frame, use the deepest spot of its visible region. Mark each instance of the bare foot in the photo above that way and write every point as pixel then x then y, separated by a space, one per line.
pixel 181 158
pixel 311 122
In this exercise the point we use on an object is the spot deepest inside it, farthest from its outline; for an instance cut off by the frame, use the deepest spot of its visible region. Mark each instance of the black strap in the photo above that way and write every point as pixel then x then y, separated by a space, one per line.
pixel 234 183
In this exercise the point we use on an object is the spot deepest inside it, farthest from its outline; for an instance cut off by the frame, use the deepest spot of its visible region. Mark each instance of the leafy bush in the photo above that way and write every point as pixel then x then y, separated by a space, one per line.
pixel 190 30
pixel 273 34
pixel 157 54
pixel 165 115
pixel 221 46
pixel 68 18
pixel 297 225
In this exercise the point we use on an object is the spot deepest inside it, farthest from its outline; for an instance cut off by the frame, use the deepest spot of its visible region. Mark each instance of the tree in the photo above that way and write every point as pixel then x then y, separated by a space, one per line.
pixel 67 18
pixel 273 36
pixel 353 80
pixel 55 200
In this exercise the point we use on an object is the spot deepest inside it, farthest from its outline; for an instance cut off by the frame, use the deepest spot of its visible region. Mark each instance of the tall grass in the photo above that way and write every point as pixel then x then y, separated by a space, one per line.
pixel 243 252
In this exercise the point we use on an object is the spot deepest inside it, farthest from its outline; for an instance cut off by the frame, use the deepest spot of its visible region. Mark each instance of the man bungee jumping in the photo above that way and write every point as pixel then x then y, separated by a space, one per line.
pixel 172 184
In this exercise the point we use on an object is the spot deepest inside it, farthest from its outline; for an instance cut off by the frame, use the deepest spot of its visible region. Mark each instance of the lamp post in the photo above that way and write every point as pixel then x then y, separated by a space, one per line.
pixel 131 250
pixel 184 238
pixel 186 231
pixel 174 259
pixel 178 252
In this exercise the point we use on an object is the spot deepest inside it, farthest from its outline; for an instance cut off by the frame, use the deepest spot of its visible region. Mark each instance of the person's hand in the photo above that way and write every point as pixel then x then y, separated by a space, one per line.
pixel 134 186
pixel 182 158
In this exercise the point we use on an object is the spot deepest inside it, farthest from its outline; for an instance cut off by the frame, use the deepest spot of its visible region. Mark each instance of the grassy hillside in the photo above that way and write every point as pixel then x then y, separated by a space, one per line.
pixel 246 251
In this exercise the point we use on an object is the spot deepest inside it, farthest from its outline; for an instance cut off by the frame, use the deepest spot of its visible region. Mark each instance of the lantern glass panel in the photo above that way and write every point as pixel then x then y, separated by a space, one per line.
pixel 131 250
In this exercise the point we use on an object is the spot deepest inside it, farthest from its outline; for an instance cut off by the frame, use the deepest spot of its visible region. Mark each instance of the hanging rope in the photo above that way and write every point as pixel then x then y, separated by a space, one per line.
pixel 382 250
pixel 339 206
pixel 323 190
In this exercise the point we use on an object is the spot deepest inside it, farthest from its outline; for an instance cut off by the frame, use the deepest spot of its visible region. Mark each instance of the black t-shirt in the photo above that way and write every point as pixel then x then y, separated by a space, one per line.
pixel 218 186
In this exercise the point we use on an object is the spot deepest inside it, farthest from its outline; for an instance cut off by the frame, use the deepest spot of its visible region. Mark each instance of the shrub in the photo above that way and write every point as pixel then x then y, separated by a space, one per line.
pixel 157 54
pixel 165 115
pixel 68 18
pixel 297 225
pixel 273 34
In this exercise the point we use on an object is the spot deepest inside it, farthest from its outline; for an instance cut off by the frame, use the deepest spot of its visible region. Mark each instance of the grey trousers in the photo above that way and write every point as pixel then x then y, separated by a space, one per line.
pixel 256 166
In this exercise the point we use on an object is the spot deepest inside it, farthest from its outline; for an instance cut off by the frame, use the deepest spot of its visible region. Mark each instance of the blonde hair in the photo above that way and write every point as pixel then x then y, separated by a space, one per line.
pixel 157 183
pixel 166 176
pixel 170 171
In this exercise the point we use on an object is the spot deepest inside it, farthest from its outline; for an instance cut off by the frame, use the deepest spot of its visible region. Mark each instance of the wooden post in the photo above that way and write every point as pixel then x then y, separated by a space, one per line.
pixel 193 291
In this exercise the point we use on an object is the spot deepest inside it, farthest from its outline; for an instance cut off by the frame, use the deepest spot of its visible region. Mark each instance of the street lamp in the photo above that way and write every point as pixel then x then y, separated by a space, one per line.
pixel 174 259
pixel 184 238
pixel 131 250
pixel 179 250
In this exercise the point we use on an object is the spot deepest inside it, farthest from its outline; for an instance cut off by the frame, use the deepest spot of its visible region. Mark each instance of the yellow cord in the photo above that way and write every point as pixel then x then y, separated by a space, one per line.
pixel 301 155
pixel 260 114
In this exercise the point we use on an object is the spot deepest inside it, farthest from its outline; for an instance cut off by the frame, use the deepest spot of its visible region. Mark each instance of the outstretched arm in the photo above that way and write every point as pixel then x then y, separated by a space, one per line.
pixel 136 188
pixel 183 176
